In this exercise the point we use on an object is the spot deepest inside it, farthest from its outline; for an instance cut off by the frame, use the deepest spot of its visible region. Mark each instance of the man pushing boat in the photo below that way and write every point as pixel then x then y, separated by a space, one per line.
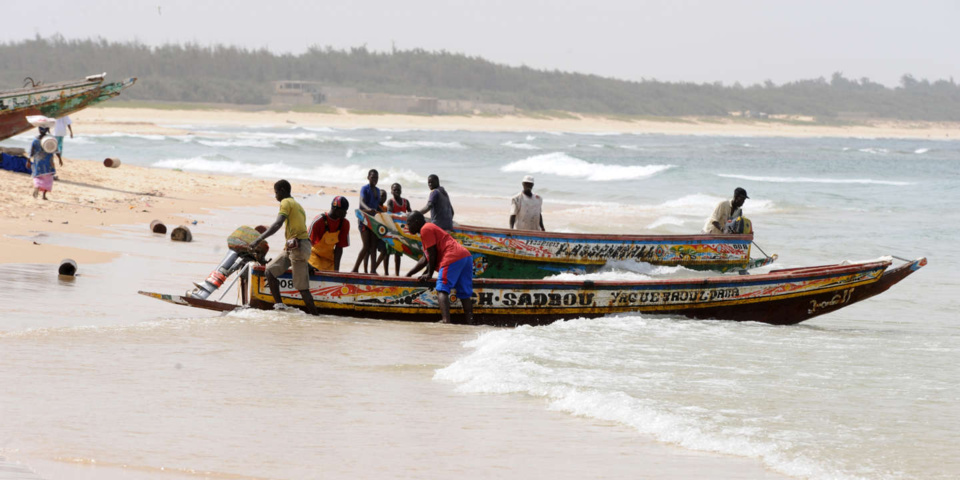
pixel 452 262
pixel 296 251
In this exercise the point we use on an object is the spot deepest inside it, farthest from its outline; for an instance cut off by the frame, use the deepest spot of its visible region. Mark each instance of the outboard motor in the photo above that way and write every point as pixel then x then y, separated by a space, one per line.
pixel 238 257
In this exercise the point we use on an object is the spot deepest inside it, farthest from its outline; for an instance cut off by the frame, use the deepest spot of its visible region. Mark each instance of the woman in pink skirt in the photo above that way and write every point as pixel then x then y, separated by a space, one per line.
pixel 42 169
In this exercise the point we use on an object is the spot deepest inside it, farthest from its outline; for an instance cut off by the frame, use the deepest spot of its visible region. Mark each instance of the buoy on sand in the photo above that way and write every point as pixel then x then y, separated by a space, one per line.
pixel 181 234
pixel 111 162
pixel 157 226
pixel 68 267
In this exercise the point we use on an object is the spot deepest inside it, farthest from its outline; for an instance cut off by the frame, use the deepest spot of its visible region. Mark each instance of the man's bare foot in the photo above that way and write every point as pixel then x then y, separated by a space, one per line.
pixel 36 192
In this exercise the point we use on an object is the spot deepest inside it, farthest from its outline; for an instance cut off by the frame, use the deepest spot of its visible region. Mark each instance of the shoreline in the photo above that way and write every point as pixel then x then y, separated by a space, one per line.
pixel 90 197
pixel 153 121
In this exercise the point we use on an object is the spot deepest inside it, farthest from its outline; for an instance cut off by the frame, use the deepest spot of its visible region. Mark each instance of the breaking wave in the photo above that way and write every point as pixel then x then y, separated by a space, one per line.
pixel 423 144
pixel 559 163
pixel 865 181
pixel 327 174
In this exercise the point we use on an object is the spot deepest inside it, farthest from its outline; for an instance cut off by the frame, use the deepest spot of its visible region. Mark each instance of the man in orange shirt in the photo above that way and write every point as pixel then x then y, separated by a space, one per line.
pixel 452 262
pixel 329 235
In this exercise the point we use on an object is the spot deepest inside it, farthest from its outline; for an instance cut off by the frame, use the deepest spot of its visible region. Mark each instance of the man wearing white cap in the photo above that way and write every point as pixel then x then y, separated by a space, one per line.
pixel 526 208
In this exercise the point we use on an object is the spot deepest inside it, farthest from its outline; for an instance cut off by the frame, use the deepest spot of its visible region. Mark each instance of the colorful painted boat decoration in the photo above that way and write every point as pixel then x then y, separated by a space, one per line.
pixel 780 297
pixel 503 253
pixel 54 101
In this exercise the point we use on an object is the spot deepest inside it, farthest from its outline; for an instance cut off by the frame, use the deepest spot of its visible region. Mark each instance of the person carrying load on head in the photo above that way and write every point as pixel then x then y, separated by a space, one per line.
pixel 329 235
pixel 724 215
pixel 41 162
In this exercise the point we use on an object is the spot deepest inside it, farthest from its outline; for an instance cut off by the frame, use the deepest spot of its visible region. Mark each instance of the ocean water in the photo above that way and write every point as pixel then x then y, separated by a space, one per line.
pixel 870 391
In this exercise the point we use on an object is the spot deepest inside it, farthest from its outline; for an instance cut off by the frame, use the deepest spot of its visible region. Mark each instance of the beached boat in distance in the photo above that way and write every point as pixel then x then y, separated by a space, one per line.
pixel 780 297
pixel 54 100
pixel 504 253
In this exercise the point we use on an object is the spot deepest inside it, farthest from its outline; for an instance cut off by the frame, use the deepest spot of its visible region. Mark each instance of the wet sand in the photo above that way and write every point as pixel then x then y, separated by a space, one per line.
pixel 104 383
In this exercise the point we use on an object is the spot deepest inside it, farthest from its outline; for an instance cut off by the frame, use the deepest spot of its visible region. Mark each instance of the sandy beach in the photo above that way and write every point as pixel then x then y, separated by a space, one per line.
pixel 109 119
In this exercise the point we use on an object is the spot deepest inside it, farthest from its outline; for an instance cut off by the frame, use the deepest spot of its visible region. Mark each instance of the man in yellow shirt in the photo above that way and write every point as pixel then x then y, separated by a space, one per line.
pixel 296 251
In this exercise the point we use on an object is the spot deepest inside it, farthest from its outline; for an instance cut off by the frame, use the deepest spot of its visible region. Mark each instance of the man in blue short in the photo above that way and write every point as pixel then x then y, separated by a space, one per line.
pixel 452 262
pixel 369 204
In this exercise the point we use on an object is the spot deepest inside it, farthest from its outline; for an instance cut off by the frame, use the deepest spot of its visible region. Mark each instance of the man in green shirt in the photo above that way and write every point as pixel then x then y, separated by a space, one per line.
pixel 296 251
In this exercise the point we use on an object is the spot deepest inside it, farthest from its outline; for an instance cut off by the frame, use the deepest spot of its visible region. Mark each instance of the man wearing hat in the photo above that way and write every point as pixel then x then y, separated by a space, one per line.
pixel 329 235
pixel 525 211
pixel 725 211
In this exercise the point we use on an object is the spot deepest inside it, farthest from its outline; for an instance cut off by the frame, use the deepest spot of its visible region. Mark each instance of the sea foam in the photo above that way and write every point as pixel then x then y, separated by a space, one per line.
pixel 337 174
pixel 559 163
pixel 863 181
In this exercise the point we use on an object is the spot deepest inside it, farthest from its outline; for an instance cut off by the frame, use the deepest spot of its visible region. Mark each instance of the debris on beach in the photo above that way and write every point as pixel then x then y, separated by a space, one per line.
pixel 67 267
pixel 157 226
pixel 181 234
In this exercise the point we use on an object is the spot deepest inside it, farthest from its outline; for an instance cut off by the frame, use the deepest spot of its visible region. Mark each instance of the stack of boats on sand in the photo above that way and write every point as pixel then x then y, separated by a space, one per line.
pixel 510 289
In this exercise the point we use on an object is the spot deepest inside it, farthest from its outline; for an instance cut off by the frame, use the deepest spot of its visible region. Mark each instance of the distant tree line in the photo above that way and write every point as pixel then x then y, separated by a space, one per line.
pixel 223 74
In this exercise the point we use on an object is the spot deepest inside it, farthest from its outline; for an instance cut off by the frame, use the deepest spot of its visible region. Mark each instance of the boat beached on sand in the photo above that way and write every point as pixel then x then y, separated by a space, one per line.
pixel 504 253
pixel 780 297
pixel 54 100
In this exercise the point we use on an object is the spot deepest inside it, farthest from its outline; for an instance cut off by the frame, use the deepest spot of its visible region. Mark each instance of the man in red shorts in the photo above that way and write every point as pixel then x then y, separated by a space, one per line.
pixel 452 262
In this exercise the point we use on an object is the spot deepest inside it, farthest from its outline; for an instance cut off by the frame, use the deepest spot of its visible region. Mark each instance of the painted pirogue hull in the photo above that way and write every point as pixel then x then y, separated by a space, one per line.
pixel 54 100
pixel 782 297
pixel 520 254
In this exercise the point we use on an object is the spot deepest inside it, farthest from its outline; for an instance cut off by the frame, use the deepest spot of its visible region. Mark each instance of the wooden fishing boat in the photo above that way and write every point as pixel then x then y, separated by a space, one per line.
pixel 503 253
pixel 54 100
pixel 781 297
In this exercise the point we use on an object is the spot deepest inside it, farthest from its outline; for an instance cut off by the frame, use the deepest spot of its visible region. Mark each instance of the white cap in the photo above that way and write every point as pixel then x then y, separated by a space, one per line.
pixel 527 179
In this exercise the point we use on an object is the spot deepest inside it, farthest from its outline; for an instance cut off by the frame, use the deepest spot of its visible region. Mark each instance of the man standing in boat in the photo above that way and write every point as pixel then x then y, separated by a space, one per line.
pixel 452 262
pixel 438 204
pixel 296 251
pixel 329 235
pixel 441 212
pixel 726 210
pixel 526 208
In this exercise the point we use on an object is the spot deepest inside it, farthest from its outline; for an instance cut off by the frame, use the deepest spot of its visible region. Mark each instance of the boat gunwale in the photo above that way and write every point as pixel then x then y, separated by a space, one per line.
pixel 791 274
pixel 698 238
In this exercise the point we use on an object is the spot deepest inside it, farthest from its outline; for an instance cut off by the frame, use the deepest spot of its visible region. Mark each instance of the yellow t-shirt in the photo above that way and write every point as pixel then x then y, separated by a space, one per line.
pixel 296 219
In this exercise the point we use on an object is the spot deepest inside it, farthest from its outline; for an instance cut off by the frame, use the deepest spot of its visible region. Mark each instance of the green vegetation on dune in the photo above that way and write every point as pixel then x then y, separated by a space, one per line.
pixel 174 76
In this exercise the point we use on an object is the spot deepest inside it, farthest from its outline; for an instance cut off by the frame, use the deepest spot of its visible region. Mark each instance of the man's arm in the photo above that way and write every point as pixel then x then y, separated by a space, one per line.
pixel 270 231
pixel 337 253
pixel 426 208
pixel 541 224
pixel 70 127
pixel 513 219
pixel 715 218
pixel 431 263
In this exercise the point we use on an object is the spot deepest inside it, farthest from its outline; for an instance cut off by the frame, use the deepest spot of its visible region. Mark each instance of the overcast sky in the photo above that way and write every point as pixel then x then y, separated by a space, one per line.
pixel 673 40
